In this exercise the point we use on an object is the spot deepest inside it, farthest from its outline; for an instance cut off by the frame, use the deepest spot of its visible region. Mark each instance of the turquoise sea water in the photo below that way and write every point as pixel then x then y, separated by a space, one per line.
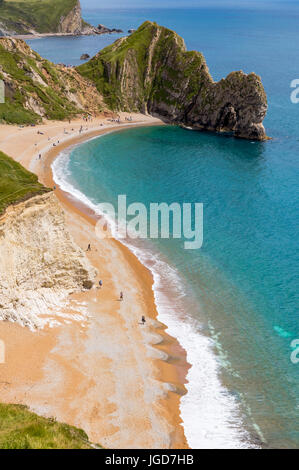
pixel 233 304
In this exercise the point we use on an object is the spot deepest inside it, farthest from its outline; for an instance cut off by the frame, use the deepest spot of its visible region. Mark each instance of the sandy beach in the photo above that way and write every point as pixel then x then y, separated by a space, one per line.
pixel 118 380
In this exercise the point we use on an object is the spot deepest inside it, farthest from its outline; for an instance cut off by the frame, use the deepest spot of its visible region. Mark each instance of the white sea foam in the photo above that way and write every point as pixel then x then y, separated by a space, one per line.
pixel 211 416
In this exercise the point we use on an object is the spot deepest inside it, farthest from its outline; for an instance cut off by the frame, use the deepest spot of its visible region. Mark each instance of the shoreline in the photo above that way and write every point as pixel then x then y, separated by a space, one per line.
pixel 54 35
pixel 173 367
pixel 169 345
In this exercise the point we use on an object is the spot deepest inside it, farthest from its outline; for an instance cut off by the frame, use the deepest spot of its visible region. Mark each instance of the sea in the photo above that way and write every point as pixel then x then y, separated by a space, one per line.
pixel 232 304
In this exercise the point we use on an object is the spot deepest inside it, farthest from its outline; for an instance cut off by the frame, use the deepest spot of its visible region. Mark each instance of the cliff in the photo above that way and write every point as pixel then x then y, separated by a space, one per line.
pixel 35 88
pixel 16 183
pixel 22 429
pixel 40 265
pixel 152 72
pixel 46 16
pixel 72 22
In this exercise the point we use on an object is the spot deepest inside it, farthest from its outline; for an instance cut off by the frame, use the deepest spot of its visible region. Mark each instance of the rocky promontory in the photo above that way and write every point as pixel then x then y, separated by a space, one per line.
pixel 49 17
pixel 151 71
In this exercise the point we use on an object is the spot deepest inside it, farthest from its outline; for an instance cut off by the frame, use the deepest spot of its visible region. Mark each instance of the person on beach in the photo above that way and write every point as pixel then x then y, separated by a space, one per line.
pixel 100 284
pixel 143 320
pixel 121 296
pixel 89 247
pixel 39 157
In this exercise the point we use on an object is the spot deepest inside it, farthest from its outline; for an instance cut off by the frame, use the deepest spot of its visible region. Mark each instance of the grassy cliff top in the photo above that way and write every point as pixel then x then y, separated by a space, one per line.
pixel 16 183
pixel 21 429
pixel 140 54
pixel 41 15
pixel 29 77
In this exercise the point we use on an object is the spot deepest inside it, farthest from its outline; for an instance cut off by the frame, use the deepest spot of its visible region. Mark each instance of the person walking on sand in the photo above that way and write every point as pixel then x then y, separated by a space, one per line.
pixel 121 296
pixel 143 320
pixel 89 247
pixel 100 284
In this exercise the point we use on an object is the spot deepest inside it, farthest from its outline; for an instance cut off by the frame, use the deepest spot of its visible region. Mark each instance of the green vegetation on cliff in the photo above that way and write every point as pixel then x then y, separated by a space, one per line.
pixel 21 429
pixel 105 68
pixel 23 87
pixel 21 16
pixel 36 88
pixel 151 71
pixel 143 57
pixel 16 184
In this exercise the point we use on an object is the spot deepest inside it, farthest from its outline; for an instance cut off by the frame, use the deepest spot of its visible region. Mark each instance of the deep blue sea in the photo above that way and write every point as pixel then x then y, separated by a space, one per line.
pixel 233 304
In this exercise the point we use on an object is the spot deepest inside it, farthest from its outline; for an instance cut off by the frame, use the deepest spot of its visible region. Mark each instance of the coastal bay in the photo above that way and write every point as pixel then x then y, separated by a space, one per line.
pixel 232 305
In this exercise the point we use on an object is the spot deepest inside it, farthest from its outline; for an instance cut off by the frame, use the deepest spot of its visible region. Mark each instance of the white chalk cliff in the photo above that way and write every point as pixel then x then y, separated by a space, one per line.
pixel 40 265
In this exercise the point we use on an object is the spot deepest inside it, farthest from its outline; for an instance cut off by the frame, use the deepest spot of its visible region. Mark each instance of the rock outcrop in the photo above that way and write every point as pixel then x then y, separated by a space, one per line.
pixel 39 263
pixel 104 30
pixel 152 72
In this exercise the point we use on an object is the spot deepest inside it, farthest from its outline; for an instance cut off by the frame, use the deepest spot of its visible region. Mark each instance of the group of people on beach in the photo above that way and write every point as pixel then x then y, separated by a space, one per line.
pixel 121 295
pixel 87 118
pixel 100 284
pixel 117 120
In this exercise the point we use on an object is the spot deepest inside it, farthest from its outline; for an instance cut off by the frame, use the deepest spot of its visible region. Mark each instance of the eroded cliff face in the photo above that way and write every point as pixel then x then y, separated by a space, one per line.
pixel 151 71
pixel 39 263
pixel 72 23
pixel 43 17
